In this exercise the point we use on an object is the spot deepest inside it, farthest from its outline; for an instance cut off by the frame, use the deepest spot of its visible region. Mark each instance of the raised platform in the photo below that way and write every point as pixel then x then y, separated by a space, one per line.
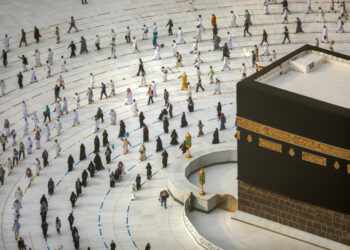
pixel 179 185
pixel 219 179
pixel 287 231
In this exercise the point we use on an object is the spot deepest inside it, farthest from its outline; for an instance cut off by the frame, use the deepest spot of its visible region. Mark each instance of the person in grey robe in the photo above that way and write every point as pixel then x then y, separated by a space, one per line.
pixel 217 42
pixel 83 47
pixel 90 96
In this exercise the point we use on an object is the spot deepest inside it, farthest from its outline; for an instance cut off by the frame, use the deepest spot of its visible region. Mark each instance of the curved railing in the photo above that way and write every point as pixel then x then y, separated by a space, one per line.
pixel 206 244
pixel 180 187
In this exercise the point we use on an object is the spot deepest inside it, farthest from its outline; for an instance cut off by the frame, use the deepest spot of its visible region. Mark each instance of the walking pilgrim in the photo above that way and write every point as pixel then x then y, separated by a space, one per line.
pixel 37 58
pixel 135 109
pixel 113 115
pixel 77 100
pixel 46 131
pixel 7 43
pixel 144 32
pixel 48 69
pixel 37 137
pixel 266 7
pixel 164 74
pixel 112 93
pixel 134 45
pixel 308 10
pixel 126 145
pixel 63 65
pixel 233 19
pixel 26 127
pixel 76 118
pixel 157 52
pixel 33 78
pixel 65 106
pixel 229 40
pixel 29 145
pixel 24 109
pixel 2 87
pixel 180 36
pixel 92 80
pixel 325 34
pixel 113 50
pixel 128 96
pixel 58 127
pixel 340 25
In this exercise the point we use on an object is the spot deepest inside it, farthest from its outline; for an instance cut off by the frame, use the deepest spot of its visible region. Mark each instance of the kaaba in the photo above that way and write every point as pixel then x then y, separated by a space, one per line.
pixel 293 136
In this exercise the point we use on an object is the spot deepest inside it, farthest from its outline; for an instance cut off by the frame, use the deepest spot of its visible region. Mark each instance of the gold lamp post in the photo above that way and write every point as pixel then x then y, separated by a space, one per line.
pixel 202 180
pixel 188 145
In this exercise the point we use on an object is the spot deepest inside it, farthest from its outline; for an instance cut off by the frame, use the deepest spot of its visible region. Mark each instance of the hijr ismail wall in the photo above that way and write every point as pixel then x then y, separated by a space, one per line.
pixel 294 157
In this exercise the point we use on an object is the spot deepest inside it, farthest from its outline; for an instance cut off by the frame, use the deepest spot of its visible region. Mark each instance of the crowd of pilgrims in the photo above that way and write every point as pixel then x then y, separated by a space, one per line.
pixel 96 165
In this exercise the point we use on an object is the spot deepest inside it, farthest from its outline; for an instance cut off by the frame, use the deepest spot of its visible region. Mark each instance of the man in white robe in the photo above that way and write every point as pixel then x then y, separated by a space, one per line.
pixel 92 80
pixel 157 52
pixel 164 74
pixel 36 120
pixel 76 118
pixel 65 106
pixel 29 145
pixel 134 108
pixel 200 22
pixel 229 40
pixel 58 126
pixel 50 56
pixel 199 34
pixel 26 127
pixel 6 43
pixel 24 109
pixel 325 34
pixel 77 100
pixel 57 148
pixel 308 10
pixel 46 131
pixel 233 19
pixel 144 32
pixel 113 115
pixel 58 109
pixel 63 65
pixel 180 36
pixel 33 78
pixel 37 58
pixel 154 88
pixel 48 69
pixel 226 64
pixel 174 47
pixel 96 124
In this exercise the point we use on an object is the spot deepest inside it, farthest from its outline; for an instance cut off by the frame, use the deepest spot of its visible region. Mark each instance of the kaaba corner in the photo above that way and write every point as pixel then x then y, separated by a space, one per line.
pixel 293 136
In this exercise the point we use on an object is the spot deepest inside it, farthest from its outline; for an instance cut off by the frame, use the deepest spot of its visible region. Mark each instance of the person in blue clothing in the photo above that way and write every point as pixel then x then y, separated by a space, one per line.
pixel 299 28
pixel 154 41
pixel 103 90
pixel 222 121
pixel 253 59
pixel 163 196
pixel 47 114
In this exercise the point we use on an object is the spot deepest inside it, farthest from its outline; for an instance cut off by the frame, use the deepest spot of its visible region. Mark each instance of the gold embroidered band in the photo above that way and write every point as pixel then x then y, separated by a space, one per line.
pixel 270 145
pixel 314 158
pixel 293 139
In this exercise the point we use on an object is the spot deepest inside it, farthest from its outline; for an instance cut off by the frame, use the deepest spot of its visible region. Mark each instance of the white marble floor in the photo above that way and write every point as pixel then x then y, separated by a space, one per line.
pixel 220 179
pixel 232 234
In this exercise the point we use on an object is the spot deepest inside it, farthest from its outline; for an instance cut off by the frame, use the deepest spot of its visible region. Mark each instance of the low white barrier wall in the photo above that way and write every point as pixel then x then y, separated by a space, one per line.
pixel 194 233
pixel 179 185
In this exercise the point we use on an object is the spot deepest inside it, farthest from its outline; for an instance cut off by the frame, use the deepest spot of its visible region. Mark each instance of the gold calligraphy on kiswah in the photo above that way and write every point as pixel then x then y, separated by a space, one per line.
pixel 305 156
pixel 293 139
pixel 270 145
